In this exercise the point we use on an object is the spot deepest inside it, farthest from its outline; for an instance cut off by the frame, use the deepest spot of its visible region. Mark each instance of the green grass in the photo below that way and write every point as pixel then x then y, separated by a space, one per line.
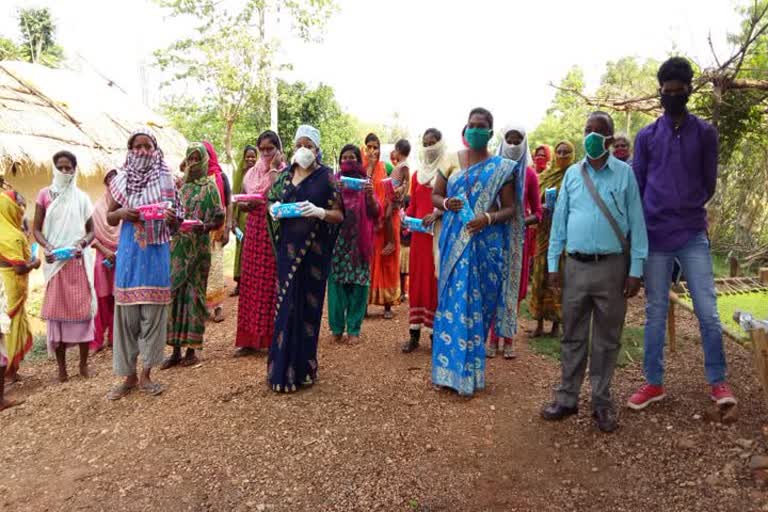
pixel 720 265
pixel 631 346
pixel 755 303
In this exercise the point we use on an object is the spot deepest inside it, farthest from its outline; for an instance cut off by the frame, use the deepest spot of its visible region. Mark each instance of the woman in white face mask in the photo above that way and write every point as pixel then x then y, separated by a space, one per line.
pixel 303 248
pixel 63 220
pixel 514 146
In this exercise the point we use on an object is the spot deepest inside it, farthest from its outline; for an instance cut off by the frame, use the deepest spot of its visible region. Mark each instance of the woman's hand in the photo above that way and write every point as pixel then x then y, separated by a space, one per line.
pixel 170 217
pixel 388 249
pixel 249 206
pixel 273 210
pixel 49 257
pixel 309 210
pixel 129 214
pixel 477 224
pixel 109 256
pixel 428 220
pixel 278 162
pixel 454 204
pixel 368 189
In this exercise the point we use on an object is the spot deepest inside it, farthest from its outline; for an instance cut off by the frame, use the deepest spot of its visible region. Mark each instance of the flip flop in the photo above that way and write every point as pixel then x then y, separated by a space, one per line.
pixel 120 391
pixel 170 362
pixel 388 315
pixel 152 388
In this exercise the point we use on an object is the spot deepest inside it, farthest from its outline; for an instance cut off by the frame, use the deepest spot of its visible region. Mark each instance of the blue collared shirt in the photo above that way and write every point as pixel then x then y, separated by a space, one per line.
pixel 578 225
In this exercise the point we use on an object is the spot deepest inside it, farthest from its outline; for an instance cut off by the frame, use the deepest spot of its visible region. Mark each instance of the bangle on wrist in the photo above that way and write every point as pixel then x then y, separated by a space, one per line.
pixel 445 204
pixel 488 218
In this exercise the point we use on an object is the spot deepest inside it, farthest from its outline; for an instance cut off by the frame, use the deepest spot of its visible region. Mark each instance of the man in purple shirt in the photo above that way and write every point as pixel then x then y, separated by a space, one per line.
pixel 675 163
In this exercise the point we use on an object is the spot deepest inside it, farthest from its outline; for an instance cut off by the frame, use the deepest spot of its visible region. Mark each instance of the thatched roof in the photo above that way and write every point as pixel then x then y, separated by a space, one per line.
pixel 44 110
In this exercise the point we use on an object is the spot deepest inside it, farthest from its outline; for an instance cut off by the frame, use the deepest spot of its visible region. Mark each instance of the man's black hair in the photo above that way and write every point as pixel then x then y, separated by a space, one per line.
pixel 675 68
pixel 606 117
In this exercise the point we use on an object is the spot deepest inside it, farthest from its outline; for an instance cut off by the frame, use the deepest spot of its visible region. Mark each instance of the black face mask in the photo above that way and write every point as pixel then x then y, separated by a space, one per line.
pixel 674 105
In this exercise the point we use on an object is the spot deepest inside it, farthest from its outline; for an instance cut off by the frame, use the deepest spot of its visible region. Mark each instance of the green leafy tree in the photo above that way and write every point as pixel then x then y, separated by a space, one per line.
pixel 623 80
pixel 38 44
pixel 566 115
pixel 230 55
pixel 9 50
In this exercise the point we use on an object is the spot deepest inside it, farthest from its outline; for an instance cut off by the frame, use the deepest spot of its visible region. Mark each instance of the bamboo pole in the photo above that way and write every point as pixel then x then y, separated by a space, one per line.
pixel 764 275
pixel 671 328
pixel 760 347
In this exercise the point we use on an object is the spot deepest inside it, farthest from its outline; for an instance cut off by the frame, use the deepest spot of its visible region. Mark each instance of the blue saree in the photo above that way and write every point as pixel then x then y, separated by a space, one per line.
pixel 479 276
pixel 303 249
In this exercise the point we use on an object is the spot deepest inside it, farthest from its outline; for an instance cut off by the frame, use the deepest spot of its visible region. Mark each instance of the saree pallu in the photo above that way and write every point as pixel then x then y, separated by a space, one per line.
pixel 241 221
pixel 303 248
pixel 258 277
pixel 479 277
pixel 385 270
pixel 19 340
pixel 190 266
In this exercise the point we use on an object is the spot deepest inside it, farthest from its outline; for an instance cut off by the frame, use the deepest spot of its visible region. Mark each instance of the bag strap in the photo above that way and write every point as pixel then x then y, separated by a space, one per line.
pixel 604 209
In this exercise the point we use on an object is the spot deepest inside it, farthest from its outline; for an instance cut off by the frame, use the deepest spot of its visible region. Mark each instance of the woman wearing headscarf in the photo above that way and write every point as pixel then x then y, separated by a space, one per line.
pixel 422 296
pixel 105 242
pixel 544 303
pixel 303 249
pixel 217 287
pixel 385 265
pixel 541 158
pixel 143 266
pixel 514 146
pixel 16 262
pixel 239 219
pixel 258 275
pixel 480 256
pixel 63 220
pixel 351 263
pixel 191 258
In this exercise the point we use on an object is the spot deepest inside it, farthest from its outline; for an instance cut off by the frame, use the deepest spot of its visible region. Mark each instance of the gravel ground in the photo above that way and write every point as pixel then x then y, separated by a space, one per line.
pixel 374 435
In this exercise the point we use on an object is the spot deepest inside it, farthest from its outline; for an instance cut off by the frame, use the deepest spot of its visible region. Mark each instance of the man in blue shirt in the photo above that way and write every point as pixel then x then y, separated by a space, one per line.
pixel 599 274
pixel 676 169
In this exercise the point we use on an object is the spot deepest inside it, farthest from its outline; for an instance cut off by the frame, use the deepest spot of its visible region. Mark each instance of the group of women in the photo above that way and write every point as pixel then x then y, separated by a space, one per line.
pixel 153 281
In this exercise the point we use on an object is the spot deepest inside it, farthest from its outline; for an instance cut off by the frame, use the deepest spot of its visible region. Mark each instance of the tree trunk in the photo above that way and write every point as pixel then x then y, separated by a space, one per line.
pixel 230 124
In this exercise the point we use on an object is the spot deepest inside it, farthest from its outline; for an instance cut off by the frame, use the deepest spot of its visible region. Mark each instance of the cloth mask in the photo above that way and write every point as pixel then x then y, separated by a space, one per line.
pixel 674 105
pixel 477 138
pixel 594 145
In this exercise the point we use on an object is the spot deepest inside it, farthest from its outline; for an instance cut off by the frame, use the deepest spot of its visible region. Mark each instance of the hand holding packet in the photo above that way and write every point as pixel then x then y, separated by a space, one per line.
pixel 353 183
pixel 550 198
pixel 286 210
pixel 247 197
pixel 63 253
pixel 189 224
pixel 239 234
pixel 154 211
pixel 417 225
pixel 466 214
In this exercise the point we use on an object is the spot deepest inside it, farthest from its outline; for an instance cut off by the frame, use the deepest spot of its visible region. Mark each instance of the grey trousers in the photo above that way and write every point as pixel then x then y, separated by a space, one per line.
pixel 139 329
pixel 593 295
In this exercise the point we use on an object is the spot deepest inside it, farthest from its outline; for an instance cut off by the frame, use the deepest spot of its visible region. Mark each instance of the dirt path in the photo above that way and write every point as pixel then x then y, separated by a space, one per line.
pixel 372 435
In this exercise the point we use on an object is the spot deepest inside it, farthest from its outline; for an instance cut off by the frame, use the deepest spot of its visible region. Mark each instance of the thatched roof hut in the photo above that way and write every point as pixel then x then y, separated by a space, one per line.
pixel 44 110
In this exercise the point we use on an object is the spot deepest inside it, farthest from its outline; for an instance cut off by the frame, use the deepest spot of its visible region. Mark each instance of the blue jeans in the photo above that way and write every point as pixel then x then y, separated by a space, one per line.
pixel 696 263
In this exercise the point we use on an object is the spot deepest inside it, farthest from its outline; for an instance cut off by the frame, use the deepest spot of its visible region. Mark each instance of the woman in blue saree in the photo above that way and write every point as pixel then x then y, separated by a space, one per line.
pixel 303 249
pixel 480 255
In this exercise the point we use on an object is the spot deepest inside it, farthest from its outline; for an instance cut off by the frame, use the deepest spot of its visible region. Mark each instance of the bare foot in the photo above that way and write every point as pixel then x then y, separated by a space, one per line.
pixel 337 338
pixel 388 315
pixel 62 377
pixel 537 333
pixel 190 360
pixel 12 378
pixel 218 315
pixel 86 372
pixel 353 340
pixel 8 403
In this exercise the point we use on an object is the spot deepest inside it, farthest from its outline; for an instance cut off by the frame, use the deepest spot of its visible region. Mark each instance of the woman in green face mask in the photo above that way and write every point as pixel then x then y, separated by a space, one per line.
pixel 480 257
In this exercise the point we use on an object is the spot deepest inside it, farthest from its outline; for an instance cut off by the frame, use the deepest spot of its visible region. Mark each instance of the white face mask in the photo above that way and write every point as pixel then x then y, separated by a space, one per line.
pixel 304 157
pixel 61 180
pixel 512 152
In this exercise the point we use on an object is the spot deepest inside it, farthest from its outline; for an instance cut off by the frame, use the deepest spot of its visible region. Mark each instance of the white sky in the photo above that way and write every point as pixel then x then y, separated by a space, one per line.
pixel 429 60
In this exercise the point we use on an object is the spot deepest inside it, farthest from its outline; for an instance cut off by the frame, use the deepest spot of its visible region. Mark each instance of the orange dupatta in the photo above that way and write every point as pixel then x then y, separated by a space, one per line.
pixel 385 270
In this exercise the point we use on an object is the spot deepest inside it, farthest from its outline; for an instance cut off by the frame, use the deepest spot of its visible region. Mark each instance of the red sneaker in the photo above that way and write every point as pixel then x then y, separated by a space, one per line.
pixel 722 395
pixel 645 396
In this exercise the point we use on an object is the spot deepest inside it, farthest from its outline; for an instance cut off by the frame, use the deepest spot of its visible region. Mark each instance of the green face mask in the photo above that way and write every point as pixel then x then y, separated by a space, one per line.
pixel 594 145
pixel 477 138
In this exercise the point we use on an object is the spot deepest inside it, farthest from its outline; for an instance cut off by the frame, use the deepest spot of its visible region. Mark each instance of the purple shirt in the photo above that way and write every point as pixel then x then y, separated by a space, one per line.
pixel 676 170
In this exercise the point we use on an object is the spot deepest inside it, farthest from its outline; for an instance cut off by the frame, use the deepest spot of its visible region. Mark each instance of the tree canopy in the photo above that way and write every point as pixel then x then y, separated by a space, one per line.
pixel 38 39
